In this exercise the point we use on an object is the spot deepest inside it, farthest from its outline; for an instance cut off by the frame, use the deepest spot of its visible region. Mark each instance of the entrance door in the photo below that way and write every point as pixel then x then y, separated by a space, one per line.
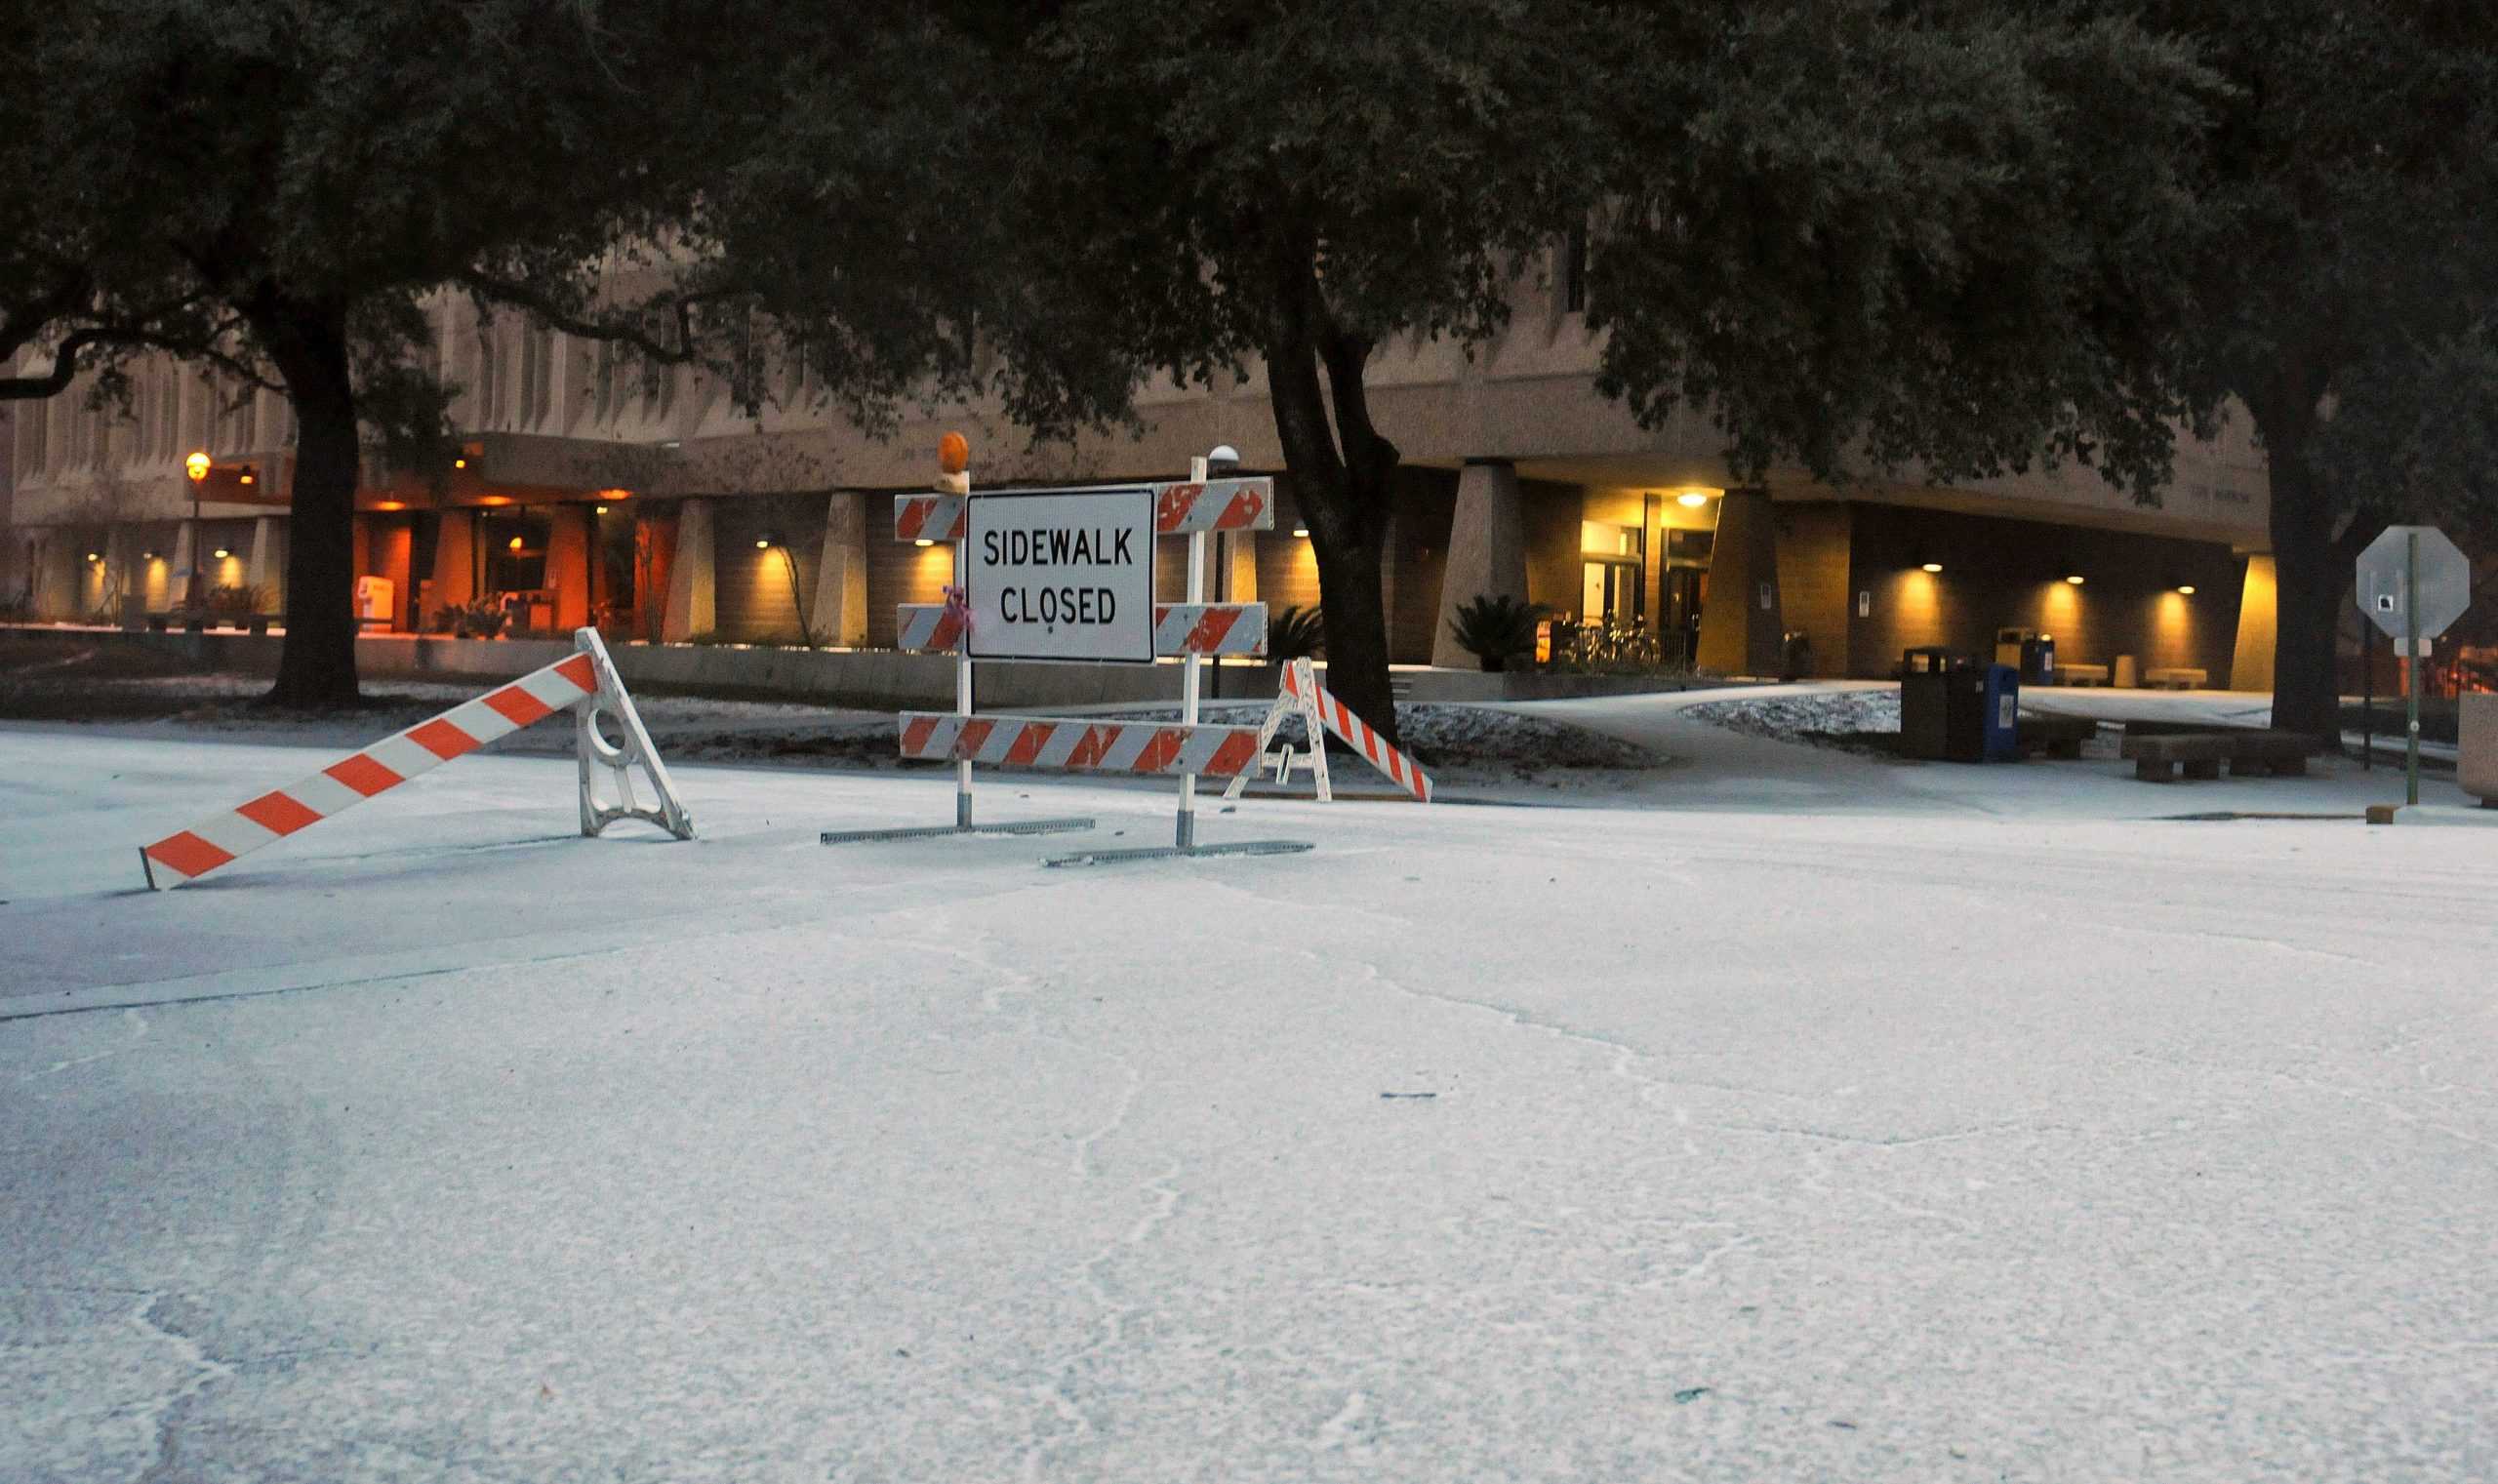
pixel 1610 595
pixel 1685 588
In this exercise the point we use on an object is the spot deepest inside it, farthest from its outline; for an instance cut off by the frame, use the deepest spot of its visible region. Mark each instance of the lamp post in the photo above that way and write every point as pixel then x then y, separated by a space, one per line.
pixel 194 468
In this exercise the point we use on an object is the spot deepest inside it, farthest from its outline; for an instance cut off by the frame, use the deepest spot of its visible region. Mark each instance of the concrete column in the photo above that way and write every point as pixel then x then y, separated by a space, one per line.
pixel 839 612
pixel 2258 626
pixel 1739 629
pixel 1486 551
pixel 1241 584
pixel 122 579
pixel 57 575
pixel 455 563
pixel 691 577
pixel 568 539
pixel 185 584
pixel 266 570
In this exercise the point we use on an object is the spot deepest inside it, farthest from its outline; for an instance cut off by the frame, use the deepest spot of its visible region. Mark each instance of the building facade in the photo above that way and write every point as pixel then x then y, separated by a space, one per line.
pixel 668 506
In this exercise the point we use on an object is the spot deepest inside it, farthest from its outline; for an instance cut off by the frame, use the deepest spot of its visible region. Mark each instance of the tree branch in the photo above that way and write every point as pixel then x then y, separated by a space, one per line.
pixel 533 301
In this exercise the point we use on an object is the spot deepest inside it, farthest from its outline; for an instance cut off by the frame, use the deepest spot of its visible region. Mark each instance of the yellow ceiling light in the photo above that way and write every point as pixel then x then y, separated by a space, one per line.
pixel 2076 578
pixel 221 554
pixel 1692 500
pixel 1931 566
pixel 2185 590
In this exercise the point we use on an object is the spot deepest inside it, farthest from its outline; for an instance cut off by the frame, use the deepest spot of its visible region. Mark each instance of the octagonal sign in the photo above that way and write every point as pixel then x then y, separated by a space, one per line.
pixel 2445 580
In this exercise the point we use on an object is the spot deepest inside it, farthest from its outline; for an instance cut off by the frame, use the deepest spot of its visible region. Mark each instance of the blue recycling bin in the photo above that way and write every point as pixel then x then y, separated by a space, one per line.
pixel 2000 723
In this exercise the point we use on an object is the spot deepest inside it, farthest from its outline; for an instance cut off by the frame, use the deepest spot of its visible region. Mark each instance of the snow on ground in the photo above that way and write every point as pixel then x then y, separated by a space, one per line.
pixel 1835 716
pixel 1817 1118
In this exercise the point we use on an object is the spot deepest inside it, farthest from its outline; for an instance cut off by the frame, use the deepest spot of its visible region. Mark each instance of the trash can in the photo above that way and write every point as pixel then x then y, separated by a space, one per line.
pixel 2000 726
pixel 2010 644
pixel 1925 679
pixel 1794 654
pixel 2037 659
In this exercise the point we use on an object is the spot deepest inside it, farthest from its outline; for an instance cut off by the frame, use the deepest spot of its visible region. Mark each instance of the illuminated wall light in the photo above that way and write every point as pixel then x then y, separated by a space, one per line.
pixel 1691 499
pixel 221 554
pixel 924 542
pixel 1302 531
pixel 598 509
pixel 1931 566
pixel 95 557
pixel 512 545
pixel 458 463
pixel 762 542
pixel 147 556
pixel 2185 590
pixel 247 476
pixel 2076 578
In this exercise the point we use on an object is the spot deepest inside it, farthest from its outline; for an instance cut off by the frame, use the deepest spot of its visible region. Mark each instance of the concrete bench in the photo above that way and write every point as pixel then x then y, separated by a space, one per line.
pixel 2081 675
pixel 2053 735
pixel 2158 758
pixel 2177 678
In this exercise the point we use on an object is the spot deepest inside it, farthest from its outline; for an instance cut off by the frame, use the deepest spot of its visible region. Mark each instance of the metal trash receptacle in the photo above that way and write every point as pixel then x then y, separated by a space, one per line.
pixel 2037 659
pixel 1794 654
pixel 1925 676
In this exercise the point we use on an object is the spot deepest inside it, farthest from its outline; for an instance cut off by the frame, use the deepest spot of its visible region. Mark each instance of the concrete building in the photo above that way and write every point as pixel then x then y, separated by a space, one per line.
pixel 668 506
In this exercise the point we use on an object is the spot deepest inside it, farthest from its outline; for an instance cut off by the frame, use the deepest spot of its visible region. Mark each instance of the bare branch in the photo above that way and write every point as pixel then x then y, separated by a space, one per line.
pixel 521 297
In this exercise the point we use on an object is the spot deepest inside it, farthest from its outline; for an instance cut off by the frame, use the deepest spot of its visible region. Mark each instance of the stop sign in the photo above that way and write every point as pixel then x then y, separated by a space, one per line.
pixel 2385 588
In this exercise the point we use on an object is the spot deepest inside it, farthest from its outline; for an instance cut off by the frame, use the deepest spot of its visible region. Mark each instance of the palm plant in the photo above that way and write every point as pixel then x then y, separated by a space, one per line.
pixel 1495 628
pixel 1297 634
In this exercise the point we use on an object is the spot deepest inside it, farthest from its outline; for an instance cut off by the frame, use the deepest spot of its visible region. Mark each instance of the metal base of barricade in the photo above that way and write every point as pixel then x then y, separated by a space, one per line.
pixel 933 831
pixel 1180 852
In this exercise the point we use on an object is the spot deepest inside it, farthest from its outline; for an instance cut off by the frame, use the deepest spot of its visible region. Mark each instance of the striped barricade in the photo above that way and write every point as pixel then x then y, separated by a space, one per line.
pixel 1142 747
pixel 1300 682
pixel 585 682
pixel 1180 509
pixel 1179 628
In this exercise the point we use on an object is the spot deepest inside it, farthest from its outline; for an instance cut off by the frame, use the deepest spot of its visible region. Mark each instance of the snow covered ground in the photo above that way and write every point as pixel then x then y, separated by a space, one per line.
pixel 1783 1114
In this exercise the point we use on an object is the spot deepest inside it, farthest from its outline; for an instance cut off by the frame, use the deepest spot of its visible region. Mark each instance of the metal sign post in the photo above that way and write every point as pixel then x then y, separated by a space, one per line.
pixel 2412 582
pixel 1186 835
pixel 2411 668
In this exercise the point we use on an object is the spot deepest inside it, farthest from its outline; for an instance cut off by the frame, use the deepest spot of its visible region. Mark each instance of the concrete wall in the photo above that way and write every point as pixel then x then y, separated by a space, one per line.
pixel 2010 574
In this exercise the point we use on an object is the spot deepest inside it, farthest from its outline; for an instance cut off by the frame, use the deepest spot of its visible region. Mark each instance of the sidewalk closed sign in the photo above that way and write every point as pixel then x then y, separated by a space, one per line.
pixel 1061 575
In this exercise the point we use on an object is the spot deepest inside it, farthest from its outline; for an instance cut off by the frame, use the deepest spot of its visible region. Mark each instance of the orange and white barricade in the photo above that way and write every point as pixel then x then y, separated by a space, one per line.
pixel 1301 694
pixel 585 684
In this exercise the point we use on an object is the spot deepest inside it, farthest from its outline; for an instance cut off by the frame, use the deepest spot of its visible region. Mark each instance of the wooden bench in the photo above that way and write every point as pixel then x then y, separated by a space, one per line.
pixel 2158 758
pixel 2258 750
pixel 2266 750
pixel 2081 675
pixel 2053 735
pixel 2177 678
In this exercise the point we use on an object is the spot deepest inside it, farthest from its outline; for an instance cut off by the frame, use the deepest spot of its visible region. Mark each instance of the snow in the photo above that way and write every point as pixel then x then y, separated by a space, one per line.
pixel 1790 1114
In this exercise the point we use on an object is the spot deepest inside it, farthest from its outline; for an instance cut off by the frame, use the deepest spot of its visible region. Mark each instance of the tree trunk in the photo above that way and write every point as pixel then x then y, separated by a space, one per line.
pixel 307 342
pixel 2311 576
pixel 1340 480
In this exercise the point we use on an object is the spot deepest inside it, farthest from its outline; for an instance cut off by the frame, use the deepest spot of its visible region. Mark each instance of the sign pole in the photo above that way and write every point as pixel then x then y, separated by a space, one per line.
pixel 963 686
pixel 1187 833
pixel 2411 668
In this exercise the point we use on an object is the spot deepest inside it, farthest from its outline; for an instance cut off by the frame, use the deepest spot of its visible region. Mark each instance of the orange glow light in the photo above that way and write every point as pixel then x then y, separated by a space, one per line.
pixel 495 500
pixel 513 544
pixel 953 453
pixel 390 504
pixel 196 466
pixel 614 494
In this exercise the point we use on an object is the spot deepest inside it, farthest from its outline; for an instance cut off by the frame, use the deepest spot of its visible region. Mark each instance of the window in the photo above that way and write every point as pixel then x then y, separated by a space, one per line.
pixel 488 353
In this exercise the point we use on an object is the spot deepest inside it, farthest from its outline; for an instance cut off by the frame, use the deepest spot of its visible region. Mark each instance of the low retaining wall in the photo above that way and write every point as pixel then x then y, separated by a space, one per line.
pixel 2476 744
pixel 871 679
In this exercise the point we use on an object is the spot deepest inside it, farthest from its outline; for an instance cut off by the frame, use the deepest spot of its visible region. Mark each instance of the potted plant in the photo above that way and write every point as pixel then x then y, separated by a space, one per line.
pixel 1495 629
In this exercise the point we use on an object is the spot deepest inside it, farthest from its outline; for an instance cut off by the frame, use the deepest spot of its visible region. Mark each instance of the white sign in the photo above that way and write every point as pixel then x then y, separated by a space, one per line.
pixel 2385 580
pixel 1061 575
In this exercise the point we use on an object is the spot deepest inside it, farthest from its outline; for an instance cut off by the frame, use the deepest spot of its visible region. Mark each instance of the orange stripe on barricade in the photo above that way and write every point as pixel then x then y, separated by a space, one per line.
pixel 443 740
pixel 278 813
pixel 1029 744
pixel 518 706
pixel 363 775
pixel 189 854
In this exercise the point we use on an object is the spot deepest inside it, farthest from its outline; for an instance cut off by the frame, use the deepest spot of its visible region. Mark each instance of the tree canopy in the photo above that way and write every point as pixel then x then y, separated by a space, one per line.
pixel 276 185
pixel 1854 230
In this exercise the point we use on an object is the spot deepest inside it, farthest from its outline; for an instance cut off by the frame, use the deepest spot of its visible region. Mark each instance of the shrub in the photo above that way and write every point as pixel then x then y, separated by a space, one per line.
pixel 1297 634
pixel 1495 628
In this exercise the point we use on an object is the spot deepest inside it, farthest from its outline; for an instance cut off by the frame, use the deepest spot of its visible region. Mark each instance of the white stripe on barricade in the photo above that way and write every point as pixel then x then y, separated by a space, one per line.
pixel 586 678
pixel 1179 628
pixel 1146 747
